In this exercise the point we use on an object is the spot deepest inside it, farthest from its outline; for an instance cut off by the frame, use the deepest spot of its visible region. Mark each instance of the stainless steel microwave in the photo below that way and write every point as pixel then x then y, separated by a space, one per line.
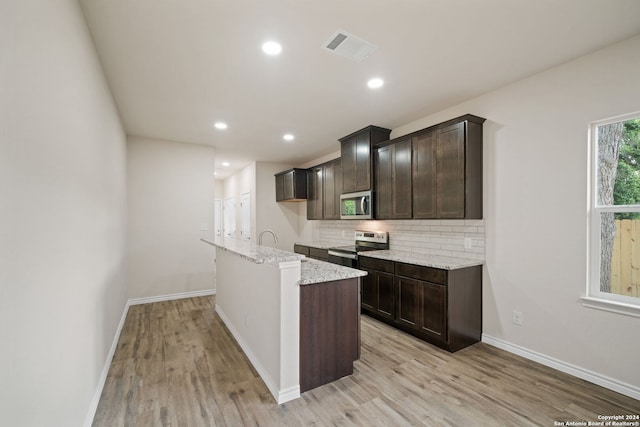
pixel 356 205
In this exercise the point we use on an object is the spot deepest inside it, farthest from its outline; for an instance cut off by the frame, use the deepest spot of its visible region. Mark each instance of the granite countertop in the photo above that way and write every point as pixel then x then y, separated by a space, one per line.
pixel 311 270
pixel 434 261
pixel 319 244
pixel 254 253
pixel 315 271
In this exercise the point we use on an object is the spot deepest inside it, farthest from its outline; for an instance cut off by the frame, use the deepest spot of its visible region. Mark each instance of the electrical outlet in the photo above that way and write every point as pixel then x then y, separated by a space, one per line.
pixel 467 243
pixel 204 226
pixel 517 318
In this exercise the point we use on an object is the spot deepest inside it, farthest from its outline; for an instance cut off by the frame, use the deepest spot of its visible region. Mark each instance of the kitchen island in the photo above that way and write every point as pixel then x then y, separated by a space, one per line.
pixel 296 319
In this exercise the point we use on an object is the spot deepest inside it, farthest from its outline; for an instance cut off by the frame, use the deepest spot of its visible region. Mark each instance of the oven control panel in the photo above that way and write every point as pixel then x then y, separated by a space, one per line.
pixel 372 236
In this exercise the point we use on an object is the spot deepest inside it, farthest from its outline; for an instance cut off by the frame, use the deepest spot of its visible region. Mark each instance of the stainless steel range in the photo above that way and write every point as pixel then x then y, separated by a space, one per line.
pixel 364 241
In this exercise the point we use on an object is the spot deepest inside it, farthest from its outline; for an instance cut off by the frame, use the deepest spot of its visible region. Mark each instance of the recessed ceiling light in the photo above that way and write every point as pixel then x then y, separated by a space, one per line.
pixel 220 125
pixel 225 164
pixel 375 83
pixel 288 137
pixel 271 48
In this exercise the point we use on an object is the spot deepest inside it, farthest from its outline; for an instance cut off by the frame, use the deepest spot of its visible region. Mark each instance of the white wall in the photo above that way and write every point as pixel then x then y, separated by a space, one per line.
pixel 280 217
pixel 170 190
pixel 535 207
pixel 219 189
pixel 283 218
pixel 62 210
pixel 243 181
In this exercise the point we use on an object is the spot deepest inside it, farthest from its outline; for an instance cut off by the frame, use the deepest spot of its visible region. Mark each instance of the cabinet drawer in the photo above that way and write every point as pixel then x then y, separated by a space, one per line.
pixel 321 254
pixel 299 249
pixel 426 274
pixel 376 264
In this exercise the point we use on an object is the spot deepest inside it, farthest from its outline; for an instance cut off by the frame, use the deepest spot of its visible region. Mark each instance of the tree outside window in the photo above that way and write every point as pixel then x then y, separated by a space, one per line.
pixel 617 205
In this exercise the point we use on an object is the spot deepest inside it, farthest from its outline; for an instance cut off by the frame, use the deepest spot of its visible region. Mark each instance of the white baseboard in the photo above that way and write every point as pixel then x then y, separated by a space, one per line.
pixel 585 374
pixel 288 394
pixel 281 396
pixel 105 371
pixel 169 297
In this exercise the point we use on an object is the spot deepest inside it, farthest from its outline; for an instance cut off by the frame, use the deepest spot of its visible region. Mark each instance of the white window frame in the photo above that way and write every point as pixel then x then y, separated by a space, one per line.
pixel 594 298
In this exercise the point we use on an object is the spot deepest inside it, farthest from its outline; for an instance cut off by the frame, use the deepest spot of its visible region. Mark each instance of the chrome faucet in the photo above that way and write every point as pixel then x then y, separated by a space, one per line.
pixel 268 230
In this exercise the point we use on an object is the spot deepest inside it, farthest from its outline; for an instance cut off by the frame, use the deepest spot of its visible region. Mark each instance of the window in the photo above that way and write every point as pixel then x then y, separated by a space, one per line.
pixel 614 222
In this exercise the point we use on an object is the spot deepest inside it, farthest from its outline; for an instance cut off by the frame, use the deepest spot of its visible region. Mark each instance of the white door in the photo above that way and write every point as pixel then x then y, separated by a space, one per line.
pixel 245 216
pixel 229 217
pixel 217 218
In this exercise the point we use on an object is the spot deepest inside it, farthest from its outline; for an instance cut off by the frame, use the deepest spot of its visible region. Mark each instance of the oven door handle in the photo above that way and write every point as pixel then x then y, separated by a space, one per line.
pixel 342 254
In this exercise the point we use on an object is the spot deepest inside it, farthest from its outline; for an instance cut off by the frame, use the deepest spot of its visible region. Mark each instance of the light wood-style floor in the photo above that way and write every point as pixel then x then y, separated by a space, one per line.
pixel 177 365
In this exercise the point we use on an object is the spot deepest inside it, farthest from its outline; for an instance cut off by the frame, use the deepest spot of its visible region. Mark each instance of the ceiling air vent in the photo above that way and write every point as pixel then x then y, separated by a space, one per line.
pixel 349 46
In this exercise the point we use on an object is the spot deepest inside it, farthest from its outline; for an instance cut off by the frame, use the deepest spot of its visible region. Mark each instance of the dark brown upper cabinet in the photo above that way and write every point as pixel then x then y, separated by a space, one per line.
pixel 332 188
pixel 324 189
pixel 423 157
pixel 393 180
pixel 447 170
pixel 314 193
pixel 357 160
pixel 434 173
pixel 291 185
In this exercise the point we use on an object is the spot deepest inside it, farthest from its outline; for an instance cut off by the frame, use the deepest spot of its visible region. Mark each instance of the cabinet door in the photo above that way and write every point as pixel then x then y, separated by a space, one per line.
pixel 348 155
pixel 384 177
pixel 385 295
pixel 338 186
pixel 433 310
pixel 314 194
pixel 279 188
pixel 450 172
pixel 317 253
pixel 393 180
pixel 378 294
pixel 357 158
pixel 409 291
pixel 401 187
pixel 300 249
pixel 332 186
pixel 424 175
pixel 363 162
pixel 288 186
pixel 356 163
pixel 368 293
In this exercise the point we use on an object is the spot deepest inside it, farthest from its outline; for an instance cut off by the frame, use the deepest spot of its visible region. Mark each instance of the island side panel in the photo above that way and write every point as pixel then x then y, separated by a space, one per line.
pixel 289 331
pixel 248 299
pixel 329 331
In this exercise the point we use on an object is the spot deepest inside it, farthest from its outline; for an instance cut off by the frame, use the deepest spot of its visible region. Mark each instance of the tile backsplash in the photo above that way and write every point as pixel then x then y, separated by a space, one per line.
pixel 433 237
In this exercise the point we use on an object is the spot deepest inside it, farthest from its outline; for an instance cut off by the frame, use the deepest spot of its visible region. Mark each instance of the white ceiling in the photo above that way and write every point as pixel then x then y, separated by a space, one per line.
pixel 177 66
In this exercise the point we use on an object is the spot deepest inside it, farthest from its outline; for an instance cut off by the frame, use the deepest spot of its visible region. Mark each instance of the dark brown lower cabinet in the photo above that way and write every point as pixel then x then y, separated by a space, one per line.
pixel 433 312
pixel 300 249
pixel 378 288
pixel 317 253
pixel 310 252
pixel 329 331
pixel 443 307
pixel 409 294
pixel 422 306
